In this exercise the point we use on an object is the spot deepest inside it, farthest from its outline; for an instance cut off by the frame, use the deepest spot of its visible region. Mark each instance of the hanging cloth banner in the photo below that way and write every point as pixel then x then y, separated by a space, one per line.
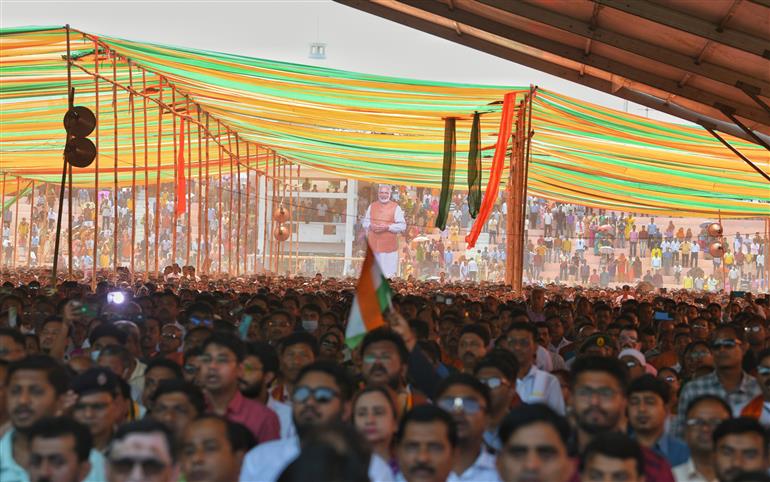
pixel 474 167
pixel 181 182
pixel 448 174
pixel 490 193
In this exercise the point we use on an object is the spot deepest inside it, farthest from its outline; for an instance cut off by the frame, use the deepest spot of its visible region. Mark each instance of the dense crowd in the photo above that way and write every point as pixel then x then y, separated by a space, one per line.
pixel 196 379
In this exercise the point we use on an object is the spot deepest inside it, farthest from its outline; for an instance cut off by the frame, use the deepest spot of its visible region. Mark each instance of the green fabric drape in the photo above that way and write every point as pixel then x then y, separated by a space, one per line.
pixel 448 171
pixel 15 198
pixel 474 167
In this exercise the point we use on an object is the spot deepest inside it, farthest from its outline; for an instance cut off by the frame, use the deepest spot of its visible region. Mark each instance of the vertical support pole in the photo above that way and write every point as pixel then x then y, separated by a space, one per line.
pixel 207 257
pixel 175 224
pixel 146 179
pixel 231 197
pixel 290 260
pixel 69 222
pixel 115 224
pixel 238 222
pixel 219 211
pixel 264 219
pixel 2 220
pixel 157 177
pixel 201 213
pixel 189 184
pixel 256 214
pixel 31 222
pixel 16 221
pixel 133 169
pixel 95 261
pixel 247 224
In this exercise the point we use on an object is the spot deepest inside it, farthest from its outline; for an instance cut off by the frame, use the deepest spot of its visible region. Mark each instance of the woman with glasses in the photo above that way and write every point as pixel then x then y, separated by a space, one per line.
pixel 375 417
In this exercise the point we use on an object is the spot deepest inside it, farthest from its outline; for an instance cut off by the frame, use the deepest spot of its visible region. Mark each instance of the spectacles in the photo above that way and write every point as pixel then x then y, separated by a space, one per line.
pixel 173 336
pixel 632 364
pixel 522 342
pixel 493 382
pixel 149 467
pixel 762 370
pixel 190 369
pixel 605 393
pixel 698 354
pixel 699 326
pixel 459 404
pixel 372 357
pixel 330 344
pixel 669 379
pixel 702 422
pixel 280 324
pixel 321 395
pixel 725 343
pixel 754 328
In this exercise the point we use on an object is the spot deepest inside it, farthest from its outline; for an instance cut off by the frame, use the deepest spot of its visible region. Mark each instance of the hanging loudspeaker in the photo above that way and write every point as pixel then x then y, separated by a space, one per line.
pixel 282 232
pixel 715 230
pixel 79 121
pixel 281 214
pixel 80 151
pixel 717 250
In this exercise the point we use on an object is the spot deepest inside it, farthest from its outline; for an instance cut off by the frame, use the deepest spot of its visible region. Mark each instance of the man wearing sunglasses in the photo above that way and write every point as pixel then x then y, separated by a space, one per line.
pixel 467 400
pixel 498 371
pixel 142 451
pixel 728 380
pixel 322 395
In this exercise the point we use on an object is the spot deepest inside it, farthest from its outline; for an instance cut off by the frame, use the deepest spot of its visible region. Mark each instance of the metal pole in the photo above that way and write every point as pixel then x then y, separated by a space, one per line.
pixel 176 178
pixel 95 260
pixel 133 171
pixel 146 182
pixel 115 224
pixel 157 179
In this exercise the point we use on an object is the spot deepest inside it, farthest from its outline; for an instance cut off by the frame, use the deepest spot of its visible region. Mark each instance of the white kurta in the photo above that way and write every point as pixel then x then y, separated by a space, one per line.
pixel 388 261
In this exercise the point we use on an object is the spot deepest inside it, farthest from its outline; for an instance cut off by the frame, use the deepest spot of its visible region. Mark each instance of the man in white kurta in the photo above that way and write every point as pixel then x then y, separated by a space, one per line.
pixel 384 219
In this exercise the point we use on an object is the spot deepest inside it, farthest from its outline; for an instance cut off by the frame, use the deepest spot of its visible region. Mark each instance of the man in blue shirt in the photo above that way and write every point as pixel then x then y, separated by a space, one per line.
pixel 648 399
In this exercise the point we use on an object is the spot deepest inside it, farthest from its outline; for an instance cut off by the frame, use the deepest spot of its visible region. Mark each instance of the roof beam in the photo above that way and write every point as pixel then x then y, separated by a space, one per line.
pixel 663 55
pixel 577 55
pixel 687 23
pixel 538 64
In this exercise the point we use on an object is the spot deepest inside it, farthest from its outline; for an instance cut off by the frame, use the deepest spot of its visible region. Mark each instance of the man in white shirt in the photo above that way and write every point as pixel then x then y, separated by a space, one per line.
pixel 468 401
pixel 426 444
pixel 322 395
pixel 701 418
pixel 533 385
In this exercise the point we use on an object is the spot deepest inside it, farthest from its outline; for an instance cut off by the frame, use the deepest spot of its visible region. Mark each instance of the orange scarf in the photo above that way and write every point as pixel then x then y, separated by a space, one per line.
pixel 754 408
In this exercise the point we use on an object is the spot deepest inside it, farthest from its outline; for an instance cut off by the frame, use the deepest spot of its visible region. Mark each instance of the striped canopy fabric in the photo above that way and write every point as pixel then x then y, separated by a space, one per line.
pixel 353 125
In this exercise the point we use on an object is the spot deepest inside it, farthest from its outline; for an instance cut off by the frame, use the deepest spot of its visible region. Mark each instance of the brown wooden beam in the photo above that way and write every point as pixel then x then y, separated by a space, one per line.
pixel 577 55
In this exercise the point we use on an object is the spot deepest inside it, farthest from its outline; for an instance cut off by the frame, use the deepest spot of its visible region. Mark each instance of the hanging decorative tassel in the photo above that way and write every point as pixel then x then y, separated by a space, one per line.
pixel 474 167
pixel 448 174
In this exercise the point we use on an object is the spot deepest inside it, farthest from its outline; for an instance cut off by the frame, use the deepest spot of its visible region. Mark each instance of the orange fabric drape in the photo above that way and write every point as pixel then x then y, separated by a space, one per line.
pixel 490 193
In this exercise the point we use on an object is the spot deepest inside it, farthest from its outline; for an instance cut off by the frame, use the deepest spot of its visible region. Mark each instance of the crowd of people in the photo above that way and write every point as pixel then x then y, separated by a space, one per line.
pixel 186 377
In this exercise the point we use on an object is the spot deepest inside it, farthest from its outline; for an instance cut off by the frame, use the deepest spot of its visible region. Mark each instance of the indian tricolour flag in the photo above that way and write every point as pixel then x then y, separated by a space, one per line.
pixel 372 300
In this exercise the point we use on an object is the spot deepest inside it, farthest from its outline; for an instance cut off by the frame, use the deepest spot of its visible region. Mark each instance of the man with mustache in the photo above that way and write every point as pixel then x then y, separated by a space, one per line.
pixel 59 448
pixel 222 361
pixel 426 444
pixel 213 449
pixel 534 439
pixel 533 385
pixel 740 445
pixel 599 404
pixel 703 415
pixel 322 396
pixel 36 387
pixel 260 369
pixel 472 345
pixel 468 401
pixel 386 360
pixel 647 413
pixel 383 220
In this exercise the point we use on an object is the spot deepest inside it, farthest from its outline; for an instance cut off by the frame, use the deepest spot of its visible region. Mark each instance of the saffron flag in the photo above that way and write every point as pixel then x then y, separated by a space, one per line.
pixel 181 181
pixel 372 301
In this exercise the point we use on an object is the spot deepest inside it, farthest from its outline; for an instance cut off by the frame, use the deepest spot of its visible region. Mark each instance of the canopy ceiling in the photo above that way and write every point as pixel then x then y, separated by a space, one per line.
pixel 350 124
pixel 696 59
